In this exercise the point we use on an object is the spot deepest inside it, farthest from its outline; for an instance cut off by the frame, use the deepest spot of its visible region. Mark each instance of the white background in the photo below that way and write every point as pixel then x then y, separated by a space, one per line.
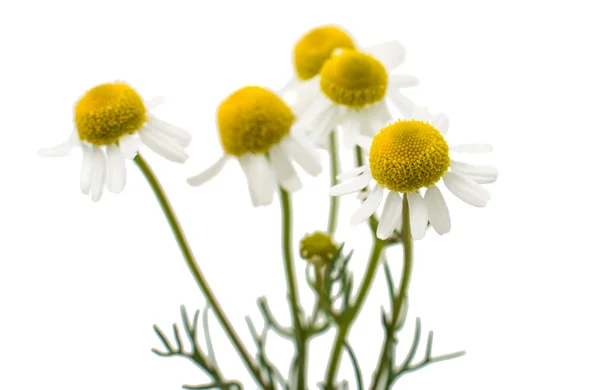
pixel 515 284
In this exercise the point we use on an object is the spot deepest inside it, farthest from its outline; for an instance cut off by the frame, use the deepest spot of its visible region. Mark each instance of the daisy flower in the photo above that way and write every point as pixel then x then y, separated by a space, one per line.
pixel 257 128
pixel 111 123
pixel 312 50
pixel 409 157
pixel 355 91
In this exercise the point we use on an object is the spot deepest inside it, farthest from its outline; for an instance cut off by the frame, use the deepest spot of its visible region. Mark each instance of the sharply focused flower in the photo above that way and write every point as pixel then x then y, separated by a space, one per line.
pixel 257 128
pixel 111 123
pixel 354 90
pixel 406 157
pixel 312 50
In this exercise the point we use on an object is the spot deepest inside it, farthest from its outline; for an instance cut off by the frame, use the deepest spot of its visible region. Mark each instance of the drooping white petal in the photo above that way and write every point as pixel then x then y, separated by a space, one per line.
pixel 324 123
pixel 402 81
pixel 115 172
pixel 437 210
pixel 350 128
pixel 466 189
pixel 162 145
pixel 301 150
pixel 129 145
pixel 180 136
pixel 364 142
pixel 379 116
pixel 154 102
pixel 368 207
pixel 62 149
pixel 209 173
pixel 421 113
pixel 309 99
pixel 284 170
pixel 98 173
pixel 441 122
pixel 402 103
pixel 290 85
pixel 472 148
pixel 350 186
pixel 261 178
pixel 418 215
pixel 392 211
pixel 482 174
pixel 87 164
pixel 352 173
pixel 390 54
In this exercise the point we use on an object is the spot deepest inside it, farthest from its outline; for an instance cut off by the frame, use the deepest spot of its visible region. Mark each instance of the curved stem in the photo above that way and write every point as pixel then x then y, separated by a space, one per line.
pixel 286 221
pixel 348 318
pixel 399 300
pixel 195 270
pixel 334 204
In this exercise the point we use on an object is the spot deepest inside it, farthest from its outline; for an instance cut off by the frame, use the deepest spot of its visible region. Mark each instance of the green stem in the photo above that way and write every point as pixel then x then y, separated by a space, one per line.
pixel 195 270
pixel 286 220
pixel 349 317
pixel 334 204
pixel 399 300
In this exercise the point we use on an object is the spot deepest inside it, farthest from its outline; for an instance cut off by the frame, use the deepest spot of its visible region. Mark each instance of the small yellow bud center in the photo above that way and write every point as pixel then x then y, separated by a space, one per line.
pixel 108 112
pixel 315 47
pixel 408 155
pixel 252 120
pixel 318 247
pixel 354 79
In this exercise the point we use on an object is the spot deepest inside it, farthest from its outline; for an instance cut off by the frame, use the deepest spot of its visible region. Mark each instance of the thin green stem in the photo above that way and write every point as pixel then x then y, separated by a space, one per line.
pixel 348 318
pixel 286 221
pixel 195 270
pixel 399 300
pixel 334 204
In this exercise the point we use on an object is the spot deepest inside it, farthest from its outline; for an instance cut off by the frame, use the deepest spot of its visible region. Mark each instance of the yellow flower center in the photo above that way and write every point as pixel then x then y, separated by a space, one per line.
pixel 107 112
pixel 315 47
pixel 408 155
pixel 354 79
pixel 252 120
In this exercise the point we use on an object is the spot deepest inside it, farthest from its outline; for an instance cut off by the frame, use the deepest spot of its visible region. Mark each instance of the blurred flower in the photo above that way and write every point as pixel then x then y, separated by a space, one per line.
pixel 318 247
pixel 407 156
pixel 257 128
pixel 111 123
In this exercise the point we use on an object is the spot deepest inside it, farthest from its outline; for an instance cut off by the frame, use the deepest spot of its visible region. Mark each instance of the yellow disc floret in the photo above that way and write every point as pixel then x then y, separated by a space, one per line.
pixel 107 112
pixel 408 155
pixel 354 79
pixel 251 120
pixel 315 47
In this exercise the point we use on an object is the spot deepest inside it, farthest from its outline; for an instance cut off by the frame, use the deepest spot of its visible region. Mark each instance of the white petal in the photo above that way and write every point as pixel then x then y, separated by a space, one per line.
pixel 381 116
pixel 209 173
pixel 392 211
pixel 284 170
pixel 351 186
pixel 309 99
pixel 116 173
pixel 402 81
pixel 261 178
pixel 364 142
pixel 98 173
pixel 290 85
pixel 437 210
pixel 482 174
pixel 63 149
pixel 466 189
pixel 441 123
pixel 324 123
pixel 366 126
pixel 181 136
pixel 162 145
pixel 129 145
pixel 418 215
pixel 350 125
pixel 352 173
pixel 390 54
pixel 421 113
pixel 368 207
pixel 86 176
pixel 301 150
pixel 154 102
pixel 472 148
pixel 402 103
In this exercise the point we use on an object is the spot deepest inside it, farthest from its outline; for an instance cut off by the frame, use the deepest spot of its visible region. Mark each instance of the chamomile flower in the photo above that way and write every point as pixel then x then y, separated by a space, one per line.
pixel 408 157
pixel 257 128
pixel 355 90
pixel 111 123
pixel 312 50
